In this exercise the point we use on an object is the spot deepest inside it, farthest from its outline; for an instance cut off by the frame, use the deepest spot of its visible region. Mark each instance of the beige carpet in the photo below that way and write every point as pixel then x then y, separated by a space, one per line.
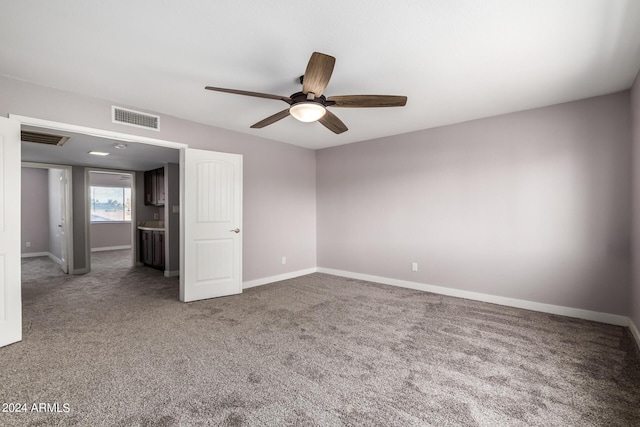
pixel 119 349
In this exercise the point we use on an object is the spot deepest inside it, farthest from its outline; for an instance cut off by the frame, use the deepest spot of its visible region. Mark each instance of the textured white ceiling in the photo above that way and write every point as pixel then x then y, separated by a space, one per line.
pixel 456 60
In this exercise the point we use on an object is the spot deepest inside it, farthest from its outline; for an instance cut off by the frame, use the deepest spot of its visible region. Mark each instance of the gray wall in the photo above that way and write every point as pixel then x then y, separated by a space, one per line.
pixel 110 235
pixel 79 220
pixel 35 210
pixel 279 179
pixel 532 205
pixel 635 129
pixel 55 212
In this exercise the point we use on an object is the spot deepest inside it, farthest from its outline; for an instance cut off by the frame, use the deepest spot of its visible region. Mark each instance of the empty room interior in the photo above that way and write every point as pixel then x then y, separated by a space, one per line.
pixel 353 213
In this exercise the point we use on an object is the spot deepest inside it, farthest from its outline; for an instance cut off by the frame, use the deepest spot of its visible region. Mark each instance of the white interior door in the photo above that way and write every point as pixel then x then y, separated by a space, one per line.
pixel 212 221
pixel 10 298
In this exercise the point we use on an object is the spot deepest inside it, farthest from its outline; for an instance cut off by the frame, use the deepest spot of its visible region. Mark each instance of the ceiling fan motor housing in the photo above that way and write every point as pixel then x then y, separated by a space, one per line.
pixel 302 97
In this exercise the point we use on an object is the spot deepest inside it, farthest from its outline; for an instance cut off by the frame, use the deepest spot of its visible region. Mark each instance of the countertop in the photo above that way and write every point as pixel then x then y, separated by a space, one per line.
pixel 151 225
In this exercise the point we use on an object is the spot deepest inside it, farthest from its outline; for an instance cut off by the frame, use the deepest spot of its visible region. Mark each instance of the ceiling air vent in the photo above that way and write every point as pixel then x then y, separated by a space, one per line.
pixel 43 138
pixel 135 118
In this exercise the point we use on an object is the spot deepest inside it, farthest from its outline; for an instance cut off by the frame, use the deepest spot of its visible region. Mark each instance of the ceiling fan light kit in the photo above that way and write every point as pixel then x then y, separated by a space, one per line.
pixel 307 111
pixel 310 105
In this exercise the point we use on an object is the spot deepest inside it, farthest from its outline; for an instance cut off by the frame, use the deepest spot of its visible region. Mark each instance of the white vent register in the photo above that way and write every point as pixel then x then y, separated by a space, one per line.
pixel 135 118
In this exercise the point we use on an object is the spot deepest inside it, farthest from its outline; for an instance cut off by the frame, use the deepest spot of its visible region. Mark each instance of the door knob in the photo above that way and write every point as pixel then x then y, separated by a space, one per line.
pixel 235 230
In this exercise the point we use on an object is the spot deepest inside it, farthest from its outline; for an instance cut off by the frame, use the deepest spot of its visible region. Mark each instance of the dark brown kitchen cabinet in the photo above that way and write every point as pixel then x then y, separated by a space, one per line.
pixel 160 187
pixel 158 249
pixel 149 188
pixel 146 247
pixel 154 187
pixel 152 248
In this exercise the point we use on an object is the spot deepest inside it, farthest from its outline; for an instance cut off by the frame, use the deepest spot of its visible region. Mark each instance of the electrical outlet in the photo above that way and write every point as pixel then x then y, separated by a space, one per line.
pixel 155 216
pixel 284 260
pixel 28 244
pixel 414 266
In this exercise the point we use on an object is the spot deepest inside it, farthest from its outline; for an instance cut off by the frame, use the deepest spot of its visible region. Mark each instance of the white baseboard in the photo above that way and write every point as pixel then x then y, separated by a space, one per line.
pixel 634 331
pixel 34 254
pixel 278 278
pixel 168 273
pixel 55 258
pixel 47 254
pixel 595 316
pixel 110 248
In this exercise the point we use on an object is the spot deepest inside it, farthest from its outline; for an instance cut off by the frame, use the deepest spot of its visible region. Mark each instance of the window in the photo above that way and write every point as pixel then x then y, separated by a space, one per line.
pixel 109 204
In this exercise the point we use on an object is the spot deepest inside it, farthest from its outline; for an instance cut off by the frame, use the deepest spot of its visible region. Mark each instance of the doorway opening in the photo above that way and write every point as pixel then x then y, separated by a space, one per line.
pixel 99 177
pixel 208 207
pixel 47 215
pixel 203 216
pixel 111 217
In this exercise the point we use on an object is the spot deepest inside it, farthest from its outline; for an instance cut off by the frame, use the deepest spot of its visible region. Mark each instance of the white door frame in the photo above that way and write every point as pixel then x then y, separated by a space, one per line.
pixel 87 212
pixel 102 133
pixel 68 206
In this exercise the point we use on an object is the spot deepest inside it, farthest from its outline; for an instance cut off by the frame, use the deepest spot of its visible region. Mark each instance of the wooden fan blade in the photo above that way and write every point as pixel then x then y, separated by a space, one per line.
pixel 248 93
pixel 271 119
pixel 318 73
pixel 367 101
pixel 333 123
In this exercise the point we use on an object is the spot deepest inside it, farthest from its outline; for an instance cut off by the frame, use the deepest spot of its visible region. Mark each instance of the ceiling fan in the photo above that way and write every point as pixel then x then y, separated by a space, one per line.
pixel 310 105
